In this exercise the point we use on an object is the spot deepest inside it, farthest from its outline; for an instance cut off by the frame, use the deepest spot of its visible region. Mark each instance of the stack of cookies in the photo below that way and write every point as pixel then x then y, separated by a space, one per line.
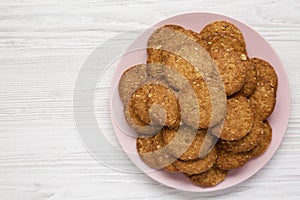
pixel 200 104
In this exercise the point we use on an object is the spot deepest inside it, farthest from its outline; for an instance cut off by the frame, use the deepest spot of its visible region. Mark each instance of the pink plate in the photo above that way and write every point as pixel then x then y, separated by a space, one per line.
pixel 256 47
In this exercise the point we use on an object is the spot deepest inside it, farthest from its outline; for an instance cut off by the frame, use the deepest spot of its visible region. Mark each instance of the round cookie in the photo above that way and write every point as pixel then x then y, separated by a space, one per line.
pixel 247 142
pixel 250 80
pixel 146 146
pixel 188 143
pixel 197 166
pixel 130 80
pixel 188 62
pixel 203 103
pixel 229 160
pixel 232 69
pixel 154 62
pixel 162 38
pixel 152 151
pixel 222 27
pixel 225 42
pixel 165 98
pixel 238 120
pixel 265 72
pixel 136 123
pixel 154 103
pixel 178 72
pixel 264 142
pixel 171 168
pixel 138 101
pixel 263 99
pixel 163 158
pixel 210 178
pixel 162 41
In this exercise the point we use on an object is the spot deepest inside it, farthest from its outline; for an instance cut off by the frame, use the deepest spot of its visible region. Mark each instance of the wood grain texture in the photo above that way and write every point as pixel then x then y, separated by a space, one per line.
pixel 43 45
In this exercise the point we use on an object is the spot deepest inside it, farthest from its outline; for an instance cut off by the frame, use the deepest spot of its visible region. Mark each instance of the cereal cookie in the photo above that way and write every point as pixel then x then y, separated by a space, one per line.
pixel 166 99
pixel 161 43
pixel 155 103
pixel 162 37
pixel 250 80
pixel 222 27
pixel 146 146
pixel 189 61
pixel 224 41
pixel 232 69
pixel 229 160
pixel 202 106
pixel 188 143
pixel 130 80
pixel 209 178
pixel 197 166
pixel 264 141
pixel 171 168
pixel 238 120
pixel 136 123
pixel 246 143
pixel 178 72
pixel 152 152
pixel 155 69
pixel 138 100
pixel 263 99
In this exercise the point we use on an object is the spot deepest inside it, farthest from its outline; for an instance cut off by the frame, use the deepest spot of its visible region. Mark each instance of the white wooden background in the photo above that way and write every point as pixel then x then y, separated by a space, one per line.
pixel 43 44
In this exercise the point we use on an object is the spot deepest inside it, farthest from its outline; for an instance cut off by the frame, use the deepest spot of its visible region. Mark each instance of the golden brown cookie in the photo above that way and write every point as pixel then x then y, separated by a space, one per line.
pixel 188 62
pixel 171 168
pixel 263 99
pixel 152 151
pixel 162 156
pixel 155 69
pixel 154 62
pixel 225 42
pixel 210 178
pixel 197 166
pixel 154 57
pixel 250 80
pixel 166 99
pixel 138 101
pixel 222 27
pixel 238 120
pixel 146 146
pixel 136 123
pixel 232 69
pixel 188 143
pixel 156 102
pixel 246 143
pixel 179 72
pixel 264 142
pixel 203 103
pixel 162 39
pixel 165 160
pixel 229 160
pixel 130 80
